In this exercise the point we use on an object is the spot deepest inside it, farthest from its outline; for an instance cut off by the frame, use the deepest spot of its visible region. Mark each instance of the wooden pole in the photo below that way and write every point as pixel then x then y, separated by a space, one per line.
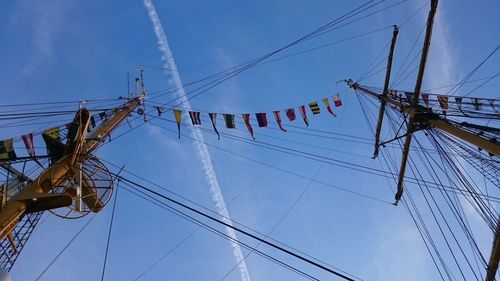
pixel 414 101
pixel 385 92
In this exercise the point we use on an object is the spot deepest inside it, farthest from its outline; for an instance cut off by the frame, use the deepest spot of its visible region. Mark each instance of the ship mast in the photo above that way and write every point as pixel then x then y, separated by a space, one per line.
pixel 421 118
pixel 41 194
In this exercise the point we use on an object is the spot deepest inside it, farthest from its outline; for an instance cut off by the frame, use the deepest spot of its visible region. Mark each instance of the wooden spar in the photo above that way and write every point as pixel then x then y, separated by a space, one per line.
pixel 434 121
pixel 385 91
pixel 103 131
pixel 414 101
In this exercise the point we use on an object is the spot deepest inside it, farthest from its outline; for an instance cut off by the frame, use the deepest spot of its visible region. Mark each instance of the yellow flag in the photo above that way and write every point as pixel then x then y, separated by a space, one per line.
pixel 53 133
pixel 7 150
pixel 178 115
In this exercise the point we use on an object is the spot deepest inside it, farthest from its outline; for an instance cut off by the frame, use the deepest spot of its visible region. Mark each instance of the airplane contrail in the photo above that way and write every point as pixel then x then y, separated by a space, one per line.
pixel 201 148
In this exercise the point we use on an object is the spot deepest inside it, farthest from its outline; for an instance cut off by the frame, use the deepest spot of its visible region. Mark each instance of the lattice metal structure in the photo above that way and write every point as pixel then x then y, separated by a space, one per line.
pixel 20 236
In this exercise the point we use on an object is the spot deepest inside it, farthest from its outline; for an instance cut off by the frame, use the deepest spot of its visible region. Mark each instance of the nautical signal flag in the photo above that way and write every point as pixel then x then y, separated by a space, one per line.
pixel 290 113
pixel 246 118
pixel 159 109
pixel 28 143
pixel 261 119
pixel 178 117
pixel 337 100
pixel 302 110
pixel 7 150
pixel 327 104
pixel 30 147
pixel 477 103
pixel 394 94
pixel 213 118
pixel 425 98
pixel 443 102
pixel 278 120
pixel 229 119
pixel 314 107
pixel 195 117
pixel 53 133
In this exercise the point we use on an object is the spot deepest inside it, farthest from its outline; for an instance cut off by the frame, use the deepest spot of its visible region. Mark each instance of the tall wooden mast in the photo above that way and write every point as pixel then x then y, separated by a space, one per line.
pixel 420 118
pixel 415 99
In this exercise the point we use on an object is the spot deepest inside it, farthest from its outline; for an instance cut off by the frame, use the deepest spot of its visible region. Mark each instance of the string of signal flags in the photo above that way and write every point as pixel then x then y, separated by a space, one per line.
pixel 57 135
pixel 261 117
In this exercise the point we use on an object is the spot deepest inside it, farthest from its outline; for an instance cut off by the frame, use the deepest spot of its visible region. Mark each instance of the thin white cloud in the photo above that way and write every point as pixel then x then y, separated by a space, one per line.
pixel 201 148
pixel 442 70
pixel 43 18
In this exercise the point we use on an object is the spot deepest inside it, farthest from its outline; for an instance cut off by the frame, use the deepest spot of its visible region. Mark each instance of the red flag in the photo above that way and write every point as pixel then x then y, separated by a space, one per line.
pixel 30 147
pixel 327 104
pixel 337 100
pixel 425 97
pixel 443 102
pixel 28 142
pixel 290 113
pixel 246 118
pixel 278 120
pixel 261 119
pixel 302 110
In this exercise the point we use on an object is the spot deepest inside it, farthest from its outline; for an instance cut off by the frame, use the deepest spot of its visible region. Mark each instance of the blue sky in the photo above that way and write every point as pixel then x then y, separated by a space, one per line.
pixel 69 50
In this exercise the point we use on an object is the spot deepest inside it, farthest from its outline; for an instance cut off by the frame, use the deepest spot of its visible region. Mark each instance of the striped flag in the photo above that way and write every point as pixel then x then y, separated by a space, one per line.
pixel 314 107
pixel 477 103
pixel 337 100
pixel 178 117
pixel 213 118
pixel 246 118
pixel 229 119
pixel 261 119
pixel 290 113
pixel 425 98
pixel 327 104
pixel 30 147
pixel 443 102
pixel 278 120
pixel 195 117
pixel 28 142
pixel 302 110
pixel 7 150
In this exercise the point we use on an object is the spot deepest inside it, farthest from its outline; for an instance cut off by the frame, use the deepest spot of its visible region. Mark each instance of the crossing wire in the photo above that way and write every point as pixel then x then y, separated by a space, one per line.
pixel 239 230
pixel 109 235
pixel 163 205
pixel 319 158
pixel 192 202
